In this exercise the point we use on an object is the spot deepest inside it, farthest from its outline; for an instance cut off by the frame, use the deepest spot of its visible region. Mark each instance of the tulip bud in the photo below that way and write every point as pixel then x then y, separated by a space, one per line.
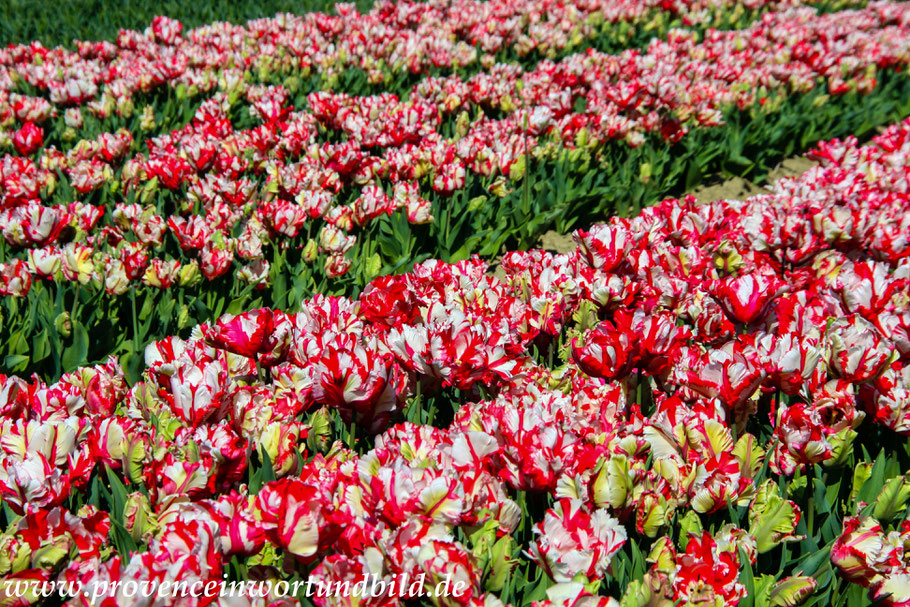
pixel 310 250
pixel 183 317
pixel 581 138
pixel 125 107
pixel 662 556
pixel 96 279
pixel 499 187
pixel 640 594
pixel 861 474
pixel 645 172
pixel 517 170
pixel 138 516
pixel 134 460
pixel 63 324
pixel 576 156
pixel 292 83
pixel 15 555
pixel 482 539
pixel 727 259
pixel 267 557
pixel 148 190
pixel 501 562
pixel 651 513
pixel 8 545
pixel 189 275
pixel 772 519
pixel 372 266
pixel 462 123
pixel 320 434
pixel 613 484
pixel 793 590
pixel 841 447
pixel 168 427
pixel 50 186
pixel 689 524
pixel 50 553
pixel 749 455
pixel 476 203
pixel 279 441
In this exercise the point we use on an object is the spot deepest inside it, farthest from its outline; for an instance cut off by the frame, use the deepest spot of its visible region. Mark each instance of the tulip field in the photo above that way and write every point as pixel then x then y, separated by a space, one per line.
pixel 277 326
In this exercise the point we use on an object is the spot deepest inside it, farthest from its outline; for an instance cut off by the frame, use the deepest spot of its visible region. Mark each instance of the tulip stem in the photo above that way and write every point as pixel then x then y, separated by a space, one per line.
pixel 352 435
pixel 523 504
pixel 810 492
pixel 135 318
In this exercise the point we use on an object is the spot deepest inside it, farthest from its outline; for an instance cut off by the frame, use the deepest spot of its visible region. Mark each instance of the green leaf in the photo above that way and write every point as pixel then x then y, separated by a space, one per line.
pixel 75 354
pixel 40 346
pixel 16 362
pixel 876 481
pixel 237 306
pixel 747 579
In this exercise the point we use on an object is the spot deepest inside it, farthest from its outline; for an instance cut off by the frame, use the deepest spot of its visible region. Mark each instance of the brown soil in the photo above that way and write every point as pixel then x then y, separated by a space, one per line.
pixel 557 243
pixel 738 188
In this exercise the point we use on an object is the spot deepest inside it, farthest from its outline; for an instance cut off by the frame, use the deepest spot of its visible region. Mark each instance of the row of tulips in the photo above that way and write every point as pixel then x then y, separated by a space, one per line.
pixel 392 40
pixel 282 204
pixel 680 411
pixel 104 86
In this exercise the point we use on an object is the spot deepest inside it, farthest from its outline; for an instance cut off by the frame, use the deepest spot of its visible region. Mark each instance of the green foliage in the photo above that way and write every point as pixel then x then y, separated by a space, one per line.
pixel 59 23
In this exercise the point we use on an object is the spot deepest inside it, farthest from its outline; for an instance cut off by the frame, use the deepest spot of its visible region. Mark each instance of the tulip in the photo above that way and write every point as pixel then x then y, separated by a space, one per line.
pixel 15 279
pixel 28 139
pixel 296 518
pixel 607 352
pixel 707 572
pixel 604 248
pixel 245 335
pixel 746 298
pixel 856 350
pixel 571 541
pixel 857 551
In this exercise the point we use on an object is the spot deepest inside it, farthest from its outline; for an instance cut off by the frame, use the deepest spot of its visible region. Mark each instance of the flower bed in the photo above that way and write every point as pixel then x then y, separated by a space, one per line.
pixel 685 408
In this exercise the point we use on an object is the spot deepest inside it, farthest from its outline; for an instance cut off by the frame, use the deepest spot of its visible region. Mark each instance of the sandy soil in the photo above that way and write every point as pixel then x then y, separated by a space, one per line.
pixel 739 188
